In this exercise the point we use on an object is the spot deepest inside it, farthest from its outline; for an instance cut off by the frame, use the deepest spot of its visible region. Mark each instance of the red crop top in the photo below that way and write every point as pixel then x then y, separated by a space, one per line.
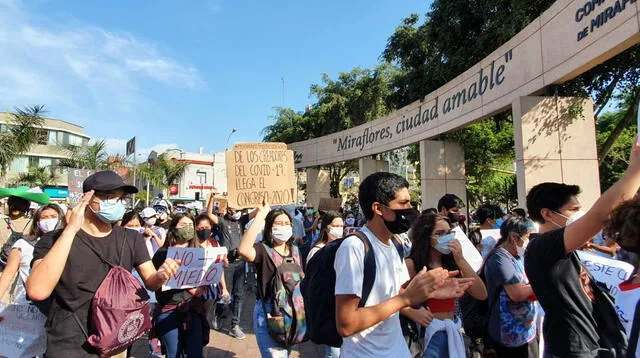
pixel 436 305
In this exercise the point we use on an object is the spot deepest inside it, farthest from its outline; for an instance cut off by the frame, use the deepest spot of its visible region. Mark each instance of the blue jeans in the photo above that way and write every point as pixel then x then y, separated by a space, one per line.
pixel 331 352
pixel 175 341
pixel 267 345
pixel 438 346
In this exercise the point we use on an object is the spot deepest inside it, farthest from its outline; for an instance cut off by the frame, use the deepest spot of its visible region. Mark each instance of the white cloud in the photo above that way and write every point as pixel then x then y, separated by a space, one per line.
pixel 80 69
pixel 118 146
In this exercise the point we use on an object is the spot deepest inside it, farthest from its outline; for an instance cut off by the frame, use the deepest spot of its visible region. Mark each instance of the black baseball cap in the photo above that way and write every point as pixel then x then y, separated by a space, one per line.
pixel 106 180
pixel 450 201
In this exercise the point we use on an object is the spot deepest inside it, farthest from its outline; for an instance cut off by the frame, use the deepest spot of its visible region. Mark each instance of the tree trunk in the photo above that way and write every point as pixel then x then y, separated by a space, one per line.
pixel 615 133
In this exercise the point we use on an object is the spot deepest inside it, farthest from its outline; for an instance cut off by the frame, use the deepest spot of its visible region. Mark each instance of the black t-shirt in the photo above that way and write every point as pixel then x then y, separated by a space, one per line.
pixel 84 270
pixel 265 269
pixel 232 230
pixel 82 275
pixel 570 329
pixel 169 297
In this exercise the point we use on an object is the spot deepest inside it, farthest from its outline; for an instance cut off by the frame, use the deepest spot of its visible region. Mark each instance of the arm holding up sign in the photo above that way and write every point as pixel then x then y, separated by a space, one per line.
pixel 246 249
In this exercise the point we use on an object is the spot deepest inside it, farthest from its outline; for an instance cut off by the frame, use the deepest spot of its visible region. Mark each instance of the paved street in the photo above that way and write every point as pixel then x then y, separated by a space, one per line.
pixel 221 345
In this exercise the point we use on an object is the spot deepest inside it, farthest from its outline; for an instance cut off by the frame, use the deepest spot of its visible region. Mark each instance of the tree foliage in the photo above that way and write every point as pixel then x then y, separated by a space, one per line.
pixel 36 176
pixel 454 35
pixel 90 156
pixel 20 135
pixel 354 98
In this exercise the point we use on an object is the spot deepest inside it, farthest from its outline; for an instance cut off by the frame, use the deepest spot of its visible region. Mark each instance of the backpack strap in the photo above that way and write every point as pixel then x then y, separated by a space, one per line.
pixel 273 255
pixel 397 242
pixel 369 267
pixel 124 242
pixel 295 253
pixel 634 336
pixel 96 252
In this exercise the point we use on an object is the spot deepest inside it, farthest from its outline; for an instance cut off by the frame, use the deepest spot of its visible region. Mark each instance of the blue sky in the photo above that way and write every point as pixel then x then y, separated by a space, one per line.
pixel 177 75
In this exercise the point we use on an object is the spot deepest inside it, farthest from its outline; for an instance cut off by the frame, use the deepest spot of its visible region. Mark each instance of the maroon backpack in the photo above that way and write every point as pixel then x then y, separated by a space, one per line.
pixel 119 308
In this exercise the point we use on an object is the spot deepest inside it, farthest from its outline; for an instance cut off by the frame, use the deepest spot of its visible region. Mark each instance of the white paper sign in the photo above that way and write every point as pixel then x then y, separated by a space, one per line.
pixel 494 233
pixel 199 267
pixel 469 252
pixel 22 332
pixel 608 271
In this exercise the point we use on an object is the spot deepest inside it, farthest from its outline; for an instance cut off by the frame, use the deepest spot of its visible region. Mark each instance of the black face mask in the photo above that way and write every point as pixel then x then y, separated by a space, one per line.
pixel 402 223
pixel 454 217
pixel 203 234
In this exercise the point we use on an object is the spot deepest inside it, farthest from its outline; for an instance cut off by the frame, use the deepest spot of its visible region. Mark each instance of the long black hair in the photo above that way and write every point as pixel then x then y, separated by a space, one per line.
pixel 420 236
pixel 35 232
pixel 268 225
pixel 327 219
pixel 171 236
pixel 127 217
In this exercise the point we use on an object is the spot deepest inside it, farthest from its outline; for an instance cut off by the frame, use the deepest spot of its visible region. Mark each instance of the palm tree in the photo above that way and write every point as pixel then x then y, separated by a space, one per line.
pixel 36 176
pixel 21 134
pixel 92 156
pixel 171 169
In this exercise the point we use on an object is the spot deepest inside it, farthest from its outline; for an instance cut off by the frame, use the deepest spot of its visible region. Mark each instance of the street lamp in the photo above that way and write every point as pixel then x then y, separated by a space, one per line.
pixel 226 146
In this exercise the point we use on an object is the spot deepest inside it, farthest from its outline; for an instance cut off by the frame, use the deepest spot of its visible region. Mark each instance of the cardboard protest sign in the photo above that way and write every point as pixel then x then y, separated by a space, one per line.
pixel 330 204
pixel 76 178
pixel 469 252
pixel 220 204
pixel 199 267
pixel 22 332
pixel 257 171
pixel 608 271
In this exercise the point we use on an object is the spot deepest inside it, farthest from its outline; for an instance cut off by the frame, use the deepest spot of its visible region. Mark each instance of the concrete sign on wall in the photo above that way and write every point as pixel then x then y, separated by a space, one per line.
pixel 566 40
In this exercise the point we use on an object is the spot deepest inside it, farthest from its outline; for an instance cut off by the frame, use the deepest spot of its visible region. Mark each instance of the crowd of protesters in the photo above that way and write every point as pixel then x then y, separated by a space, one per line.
pixel 531 296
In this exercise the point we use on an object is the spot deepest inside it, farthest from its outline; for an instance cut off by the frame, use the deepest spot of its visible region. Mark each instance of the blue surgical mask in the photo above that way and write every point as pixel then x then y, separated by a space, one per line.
pixel 110 211
pixel 498 223
pixel 443 243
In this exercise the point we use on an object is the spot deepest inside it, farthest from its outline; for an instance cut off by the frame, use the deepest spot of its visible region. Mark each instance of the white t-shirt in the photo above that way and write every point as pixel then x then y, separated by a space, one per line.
pixel 26 255
pixel 385 338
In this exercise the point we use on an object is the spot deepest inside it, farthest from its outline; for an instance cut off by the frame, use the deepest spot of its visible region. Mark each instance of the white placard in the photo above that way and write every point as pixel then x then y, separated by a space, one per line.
pixel 469 252
pixel 494 233
pixel 22 332
pixel 608 271
pixel 199 267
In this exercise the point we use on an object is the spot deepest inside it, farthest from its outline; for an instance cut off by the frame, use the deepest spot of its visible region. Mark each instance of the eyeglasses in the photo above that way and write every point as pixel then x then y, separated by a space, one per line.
pixel 110 196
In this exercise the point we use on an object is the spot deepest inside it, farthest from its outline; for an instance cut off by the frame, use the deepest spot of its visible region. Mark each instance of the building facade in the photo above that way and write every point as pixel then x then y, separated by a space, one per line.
pixel 204 172
pixel 46 152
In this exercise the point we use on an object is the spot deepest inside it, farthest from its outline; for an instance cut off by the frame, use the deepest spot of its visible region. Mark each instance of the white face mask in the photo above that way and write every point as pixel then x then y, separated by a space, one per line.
pixel 47 225
pixel 522 249
pixel 150 222
pixel 281 233
pixel 571 219
pixel 336 232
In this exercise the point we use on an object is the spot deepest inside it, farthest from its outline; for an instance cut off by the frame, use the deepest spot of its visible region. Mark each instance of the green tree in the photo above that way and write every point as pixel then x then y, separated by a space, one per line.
pixel 354 98
pixel 36 176
pixel 91 156
pixel 171 169
pixel 455 34
pixel 20 135
pixel 614 164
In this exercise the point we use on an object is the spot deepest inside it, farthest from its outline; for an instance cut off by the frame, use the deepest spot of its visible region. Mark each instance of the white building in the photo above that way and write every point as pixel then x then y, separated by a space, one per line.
pixel 204 172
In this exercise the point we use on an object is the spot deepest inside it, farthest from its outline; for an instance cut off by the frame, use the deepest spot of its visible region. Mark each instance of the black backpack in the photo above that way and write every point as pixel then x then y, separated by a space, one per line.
pixel 319 286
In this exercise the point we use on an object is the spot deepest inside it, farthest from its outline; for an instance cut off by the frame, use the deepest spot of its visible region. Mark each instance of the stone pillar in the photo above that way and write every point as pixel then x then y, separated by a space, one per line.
pixel 369 166
pixel 442 171
pixel 556 142
pixel 317 186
